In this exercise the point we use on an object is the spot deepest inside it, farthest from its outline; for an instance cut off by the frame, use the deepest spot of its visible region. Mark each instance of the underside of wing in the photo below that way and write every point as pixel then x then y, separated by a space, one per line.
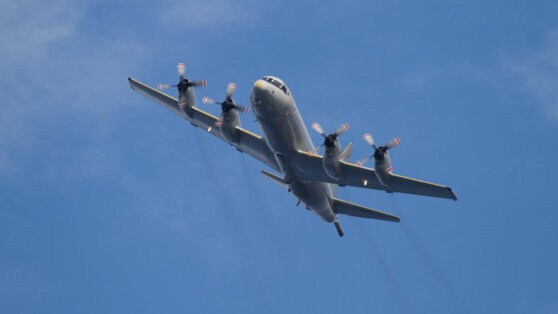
pixel 250 143
pixel 311 169
pixel 161 98
pixel 354 175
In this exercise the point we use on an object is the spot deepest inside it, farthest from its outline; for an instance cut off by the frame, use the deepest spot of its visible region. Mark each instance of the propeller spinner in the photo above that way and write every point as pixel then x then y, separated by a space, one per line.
pixel 184 83
pixel 227 104
pixel 330 139
pixel 380 153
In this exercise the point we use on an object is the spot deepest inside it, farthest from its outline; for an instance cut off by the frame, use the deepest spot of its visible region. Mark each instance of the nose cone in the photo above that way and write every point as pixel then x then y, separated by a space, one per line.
pixel 260 97
pixel 260 91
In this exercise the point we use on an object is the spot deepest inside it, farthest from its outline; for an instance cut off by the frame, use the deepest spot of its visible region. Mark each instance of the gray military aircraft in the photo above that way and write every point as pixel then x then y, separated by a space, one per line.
pixel 286 147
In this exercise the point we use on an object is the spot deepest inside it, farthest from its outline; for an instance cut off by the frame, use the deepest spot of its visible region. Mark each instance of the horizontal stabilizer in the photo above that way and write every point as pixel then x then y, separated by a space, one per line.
pixel 350 209
pixel 274 178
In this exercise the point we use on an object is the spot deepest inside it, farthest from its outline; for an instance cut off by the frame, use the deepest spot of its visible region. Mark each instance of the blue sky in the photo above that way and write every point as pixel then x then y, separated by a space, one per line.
pixel 109 203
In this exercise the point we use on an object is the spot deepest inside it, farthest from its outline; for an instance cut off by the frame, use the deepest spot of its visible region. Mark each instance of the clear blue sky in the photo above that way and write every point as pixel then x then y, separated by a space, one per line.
pixel 111 204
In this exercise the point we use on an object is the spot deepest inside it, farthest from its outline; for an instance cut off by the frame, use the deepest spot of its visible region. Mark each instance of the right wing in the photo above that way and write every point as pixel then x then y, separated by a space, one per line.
pixel 310 168
pixel 250 143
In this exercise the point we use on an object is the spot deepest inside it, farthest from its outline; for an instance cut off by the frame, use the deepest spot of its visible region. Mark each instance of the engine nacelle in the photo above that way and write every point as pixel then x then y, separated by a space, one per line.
pixel 229 122
pixel 382 167
pixel 331 163
pixel 332 153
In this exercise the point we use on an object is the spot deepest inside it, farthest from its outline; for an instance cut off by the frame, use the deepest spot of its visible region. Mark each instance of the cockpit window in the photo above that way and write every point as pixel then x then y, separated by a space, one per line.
pixel 276 83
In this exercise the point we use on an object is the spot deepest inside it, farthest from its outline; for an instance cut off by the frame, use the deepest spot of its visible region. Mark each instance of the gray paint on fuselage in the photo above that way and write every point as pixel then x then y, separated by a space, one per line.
pixel 285 133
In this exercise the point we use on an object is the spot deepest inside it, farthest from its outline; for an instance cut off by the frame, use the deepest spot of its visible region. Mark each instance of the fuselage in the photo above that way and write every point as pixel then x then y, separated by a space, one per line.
pixel 285 134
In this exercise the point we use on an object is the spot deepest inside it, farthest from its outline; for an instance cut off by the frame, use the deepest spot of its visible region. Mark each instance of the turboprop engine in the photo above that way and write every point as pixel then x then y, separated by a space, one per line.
pixel 229 120
pixel 332 152
pixel 382 163
pixel 185 99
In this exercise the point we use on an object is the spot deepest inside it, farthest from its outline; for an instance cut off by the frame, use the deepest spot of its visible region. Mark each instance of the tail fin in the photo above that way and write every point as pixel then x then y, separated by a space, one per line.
pixel 346 155
pixel 350 209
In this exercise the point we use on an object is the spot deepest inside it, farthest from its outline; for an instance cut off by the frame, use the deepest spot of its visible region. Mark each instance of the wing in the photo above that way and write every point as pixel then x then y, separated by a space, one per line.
pixel 309 167
pixel 250 143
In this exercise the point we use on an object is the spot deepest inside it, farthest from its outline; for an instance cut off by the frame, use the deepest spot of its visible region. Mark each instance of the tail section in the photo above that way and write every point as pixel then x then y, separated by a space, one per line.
pixel 338 228
pixel 350 209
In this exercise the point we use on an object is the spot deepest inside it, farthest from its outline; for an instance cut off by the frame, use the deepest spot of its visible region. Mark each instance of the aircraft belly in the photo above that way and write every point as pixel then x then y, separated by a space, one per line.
pixel 278 137
pixel 285 131
pixel 314 196
pixel 285 135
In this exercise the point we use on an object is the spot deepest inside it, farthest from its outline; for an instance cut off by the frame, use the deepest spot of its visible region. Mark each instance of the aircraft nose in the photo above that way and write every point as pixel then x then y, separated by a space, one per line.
pixel 258 84
pixel 259 97
pixel 260 90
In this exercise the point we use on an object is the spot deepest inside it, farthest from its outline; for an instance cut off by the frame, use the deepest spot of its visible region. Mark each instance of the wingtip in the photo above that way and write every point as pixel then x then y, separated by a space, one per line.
pixel 453 194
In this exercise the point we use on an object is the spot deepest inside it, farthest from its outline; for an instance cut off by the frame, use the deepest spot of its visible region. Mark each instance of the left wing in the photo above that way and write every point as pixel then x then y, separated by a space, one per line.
pixel 250 143
pixel 310 168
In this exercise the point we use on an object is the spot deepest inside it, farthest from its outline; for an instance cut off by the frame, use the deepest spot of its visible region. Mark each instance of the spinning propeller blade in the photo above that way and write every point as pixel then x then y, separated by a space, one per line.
pixel 369 139
pixel 394 142
pixel 241 108
pixel 330 139
pixel 183 84
pixel 342 129
pixel 228 103
pixel 378 151
pixel 318 128
pixel 363 161
pixel 198 83
pixel 164 86
pixel 230 89
pixel 207 100
pixel 181 67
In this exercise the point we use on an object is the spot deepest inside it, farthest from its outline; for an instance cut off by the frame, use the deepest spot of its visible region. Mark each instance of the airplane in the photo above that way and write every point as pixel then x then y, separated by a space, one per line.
pixel 286 147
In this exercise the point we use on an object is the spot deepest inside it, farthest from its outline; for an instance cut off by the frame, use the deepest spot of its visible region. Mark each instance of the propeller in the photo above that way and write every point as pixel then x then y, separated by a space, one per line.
pixel 227 104
pixel 184 82
pixel 379 152
pixel 181 67
pixel 330 139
